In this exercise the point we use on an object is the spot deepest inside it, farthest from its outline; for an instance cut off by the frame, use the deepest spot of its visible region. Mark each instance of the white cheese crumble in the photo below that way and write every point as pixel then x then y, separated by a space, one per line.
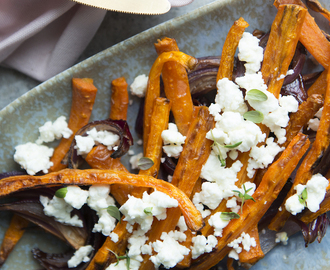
pixel 201 245
pixel 80 255
pixel 172 140
pixel 51 131
pixel 139 85
pixel 76 196
pixel 134 208
pixel 282 237
pixel 250 52
pixel 60 210
pixel 217 223
pixel 169 251
pixel 84 144
pixel 316 189
pixel 244 241
pixel 33 157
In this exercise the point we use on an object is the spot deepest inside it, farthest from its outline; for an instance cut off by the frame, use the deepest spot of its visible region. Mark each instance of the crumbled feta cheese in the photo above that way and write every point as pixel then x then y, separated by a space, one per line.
pixel 51 131
pixel 134 160
pixel 114 237
pixel 158 202
pixel 172 140
pixel 84 144
pixel 319 113
pixel 229 97
pixel 33 157
pixel 122 265
pixel 99 200
pixel 76 196
pixel 139 85
pixel 313 124
pixel 201 245
pixel 218 223
pixel 135 243
pixel 246 240
pixel 80 255
pixel 169 252
pixel 282 237
pixel 250 52
pixel 316 189
pixel 60 210
pixel 182 224
pixel 233 254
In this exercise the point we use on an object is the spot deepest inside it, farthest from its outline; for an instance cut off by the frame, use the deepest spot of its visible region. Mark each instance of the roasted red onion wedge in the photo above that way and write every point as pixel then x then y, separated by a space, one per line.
pixel 118 127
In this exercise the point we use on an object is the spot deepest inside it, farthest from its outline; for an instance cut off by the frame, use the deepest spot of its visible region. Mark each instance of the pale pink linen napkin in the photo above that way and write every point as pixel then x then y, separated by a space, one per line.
pixel 44 37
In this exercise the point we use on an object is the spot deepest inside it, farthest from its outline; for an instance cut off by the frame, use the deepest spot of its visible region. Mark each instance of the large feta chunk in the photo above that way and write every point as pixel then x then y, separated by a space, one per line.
pixel 139 85
pixel 173 141
pixel 33 157
pixel 80 255
pixel 201 245
pixel 76 196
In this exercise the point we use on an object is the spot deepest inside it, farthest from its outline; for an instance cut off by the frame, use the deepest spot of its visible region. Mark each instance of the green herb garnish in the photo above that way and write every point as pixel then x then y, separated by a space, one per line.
pixel 254 116
pixel 227 216
pixel 244 197
pixel 60 193
pixel 123 257
pixel 218 145
pixel 256 95
pixel 303 197
pixel 114 212
pixel 145 163
pixel 148 210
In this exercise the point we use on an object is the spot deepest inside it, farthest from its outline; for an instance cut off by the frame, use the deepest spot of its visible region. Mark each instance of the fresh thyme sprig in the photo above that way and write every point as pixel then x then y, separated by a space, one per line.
pixel 244 197
pixel 123 257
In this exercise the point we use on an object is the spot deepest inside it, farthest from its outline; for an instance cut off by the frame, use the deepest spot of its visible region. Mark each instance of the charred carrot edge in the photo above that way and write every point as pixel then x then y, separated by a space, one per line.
pixel 83 97
pixel 119 99
pixel 92 176
pixel 176 86
pixel 319 86
pixel 316 6
pixel 311 36
pixel 194 154
pixel 13 234
pixel 268 190
pixel 229 49
pixel 153 88
pixel 159 122
pixel 100 158
pixel 255 253
pixel 281 45
pixel 305 171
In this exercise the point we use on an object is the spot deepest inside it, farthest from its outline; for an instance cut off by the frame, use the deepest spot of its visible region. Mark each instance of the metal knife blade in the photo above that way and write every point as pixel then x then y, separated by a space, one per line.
pixel 147 7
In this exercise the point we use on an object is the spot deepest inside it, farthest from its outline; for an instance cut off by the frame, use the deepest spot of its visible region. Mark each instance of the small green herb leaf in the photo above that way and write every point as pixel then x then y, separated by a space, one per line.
pixel 254 116
pixel 60 193
pixel 114 212
pixel 226 216
pixel 123 257
pixel 256 95
pixel 148 210
pixel 145 163
pixel 303 197
pixel 231 146
pixel 244 197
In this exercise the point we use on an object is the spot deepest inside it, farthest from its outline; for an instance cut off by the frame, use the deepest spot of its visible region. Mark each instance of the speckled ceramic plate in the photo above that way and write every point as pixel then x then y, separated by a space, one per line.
pixel 199 33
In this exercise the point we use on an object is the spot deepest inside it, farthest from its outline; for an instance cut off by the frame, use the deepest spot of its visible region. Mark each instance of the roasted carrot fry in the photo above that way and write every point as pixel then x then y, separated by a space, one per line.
pixel 305 171
pixel 13 234
pixel 255 253
pixel 283 39
pixel 194 154
pixel 176 86
pixel 272 183
pixel 108 177
pixel 299 119
pixel 83 96
pixel 153 88
pixel 311 36
pixel 229 48
pixel 319 86
pixel 159 122
pixel 119 99
pixel 316 6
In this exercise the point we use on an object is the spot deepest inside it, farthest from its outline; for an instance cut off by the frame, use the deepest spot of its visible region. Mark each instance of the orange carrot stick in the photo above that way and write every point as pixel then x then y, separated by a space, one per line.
pixel 83 96
pixel 119 99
